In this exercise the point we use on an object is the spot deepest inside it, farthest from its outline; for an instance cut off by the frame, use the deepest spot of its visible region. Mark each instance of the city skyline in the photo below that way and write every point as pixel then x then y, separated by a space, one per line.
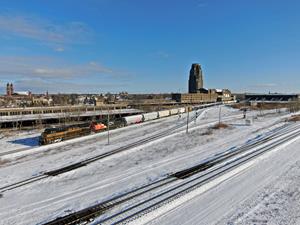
pixel 148 47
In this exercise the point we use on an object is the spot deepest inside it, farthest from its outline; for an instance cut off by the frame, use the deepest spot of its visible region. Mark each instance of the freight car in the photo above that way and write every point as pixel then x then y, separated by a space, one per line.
pixel 181 110
pixel 164 113
pixel 128 120
pixel 173 111
pixel 150 116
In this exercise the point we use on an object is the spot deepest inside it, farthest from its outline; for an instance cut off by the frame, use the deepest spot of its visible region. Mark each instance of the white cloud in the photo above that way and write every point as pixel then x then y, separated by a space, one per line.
pixel 44 31
pixel 41 86
pixel 39 74
pixel 50 68
pixel 59 49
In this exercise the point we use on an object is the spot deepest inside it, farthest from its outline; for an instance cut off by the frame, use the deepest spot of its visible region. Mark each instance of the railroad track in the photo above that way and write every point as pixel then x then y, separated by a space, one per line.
pixel 206 168
pixel 90 160
pixel 170 194
pixel 85 162
pixel 15 151
pixel 99 209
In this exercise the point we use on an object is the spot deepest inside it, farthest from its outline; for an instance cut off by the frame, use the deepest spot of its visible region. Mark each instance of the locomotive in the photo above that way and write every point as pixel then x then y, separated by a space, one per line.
pixel 57 134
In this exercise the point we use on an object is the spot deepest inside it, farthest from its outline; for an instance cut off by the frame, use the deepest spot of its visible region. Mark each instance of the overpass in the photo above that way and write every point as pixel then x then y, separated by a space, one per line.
pixel 34 115
pixel 272 97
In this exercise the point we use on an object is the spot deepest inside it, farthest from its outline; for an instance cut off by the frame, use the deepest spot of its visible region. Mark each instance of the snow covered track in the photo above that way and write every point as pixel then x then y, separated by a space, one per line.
pixel 14 151
pixel 168 195
pixel 161 192
pixel 85 162
pixel 22 183
pixel 96 210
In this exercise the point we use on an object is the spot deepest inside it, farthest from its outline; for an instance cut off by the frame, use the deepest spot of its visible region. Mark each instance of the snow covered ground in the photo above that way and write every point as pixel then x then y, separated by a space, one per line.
pixel 18 140
pixel 57 196
pixel 267 192
pixel 277 203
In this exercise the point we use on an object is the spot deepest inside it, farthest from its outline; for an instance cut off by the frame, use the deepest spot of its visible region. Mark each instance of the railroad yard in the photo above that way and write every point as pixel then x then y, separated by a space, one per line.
pixel 157 173
pixel 149 112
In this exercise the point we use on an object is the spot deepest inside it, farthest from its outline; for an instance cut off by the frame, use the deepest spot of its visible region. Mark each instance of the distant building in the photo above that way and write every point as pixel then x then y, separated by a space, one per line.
pixel 224 95
pixel 11 93
pixel 196 98
pixel 22 93
pixel 198 94
pixel 41 101
pixel 9 89
pixel 195 79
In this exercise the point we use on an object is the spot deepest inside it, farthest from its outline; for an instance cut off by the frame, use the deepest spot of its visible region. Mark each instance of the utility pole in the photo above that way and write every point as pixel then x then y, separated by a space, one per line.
pixel 187 121
pixel 220 114
pixel 244 113
pixel 108 127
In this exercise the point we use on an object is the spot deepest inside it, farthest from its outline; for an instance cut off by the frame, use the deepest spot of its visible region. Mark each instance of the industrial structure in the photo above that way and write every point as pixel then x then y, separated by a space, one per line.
pixel 272 97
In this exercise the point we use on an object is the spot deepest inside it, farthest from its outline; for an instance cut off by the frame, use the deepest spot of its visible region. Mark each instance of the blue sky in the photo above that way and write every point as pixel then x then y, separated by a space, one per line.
pixel 139 46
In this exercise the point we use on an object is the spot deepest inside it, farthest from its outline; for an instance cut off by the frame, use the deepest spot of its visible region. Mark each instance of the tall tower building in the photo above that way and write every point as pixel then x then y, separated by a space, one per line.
pixel 195 79
pixel 8 91
pixel 11 89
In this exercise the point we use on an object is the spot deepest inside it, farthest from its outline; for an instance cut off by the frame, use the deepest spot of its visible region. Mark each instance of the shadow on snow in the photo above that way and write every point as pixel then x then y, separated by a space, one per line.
pixel 31 141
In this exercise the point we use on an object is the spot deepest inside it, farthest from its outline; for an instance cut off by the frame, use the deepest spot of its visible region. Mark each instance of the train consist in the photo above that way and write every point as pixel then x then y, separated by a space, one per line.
pixel 52 135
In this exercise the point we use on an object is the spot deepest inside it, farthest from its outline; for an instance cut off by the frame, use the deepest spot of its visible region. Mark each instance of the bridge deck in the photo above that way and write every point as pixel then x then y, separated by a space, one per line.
pixel 44 116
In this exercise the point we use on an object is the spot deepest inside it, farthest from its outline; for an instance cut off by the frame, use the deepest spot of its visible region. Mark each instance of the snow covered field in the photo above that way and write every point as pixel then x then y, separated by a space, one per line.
pixel 235 201
pixel 18 140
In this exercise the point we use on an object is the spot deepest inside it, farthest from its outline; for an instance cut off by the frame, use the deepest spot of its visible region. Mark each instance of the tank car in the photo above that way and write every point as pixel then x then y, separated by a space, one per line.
pixel 128 120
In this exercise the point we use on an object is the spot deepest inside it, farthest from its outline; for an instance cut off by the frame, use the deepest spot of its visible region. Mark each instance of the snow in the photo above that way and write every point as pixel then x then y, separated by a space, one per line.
pixel 169 214
pixel 57 196
pixel 277 203
pixel 18 140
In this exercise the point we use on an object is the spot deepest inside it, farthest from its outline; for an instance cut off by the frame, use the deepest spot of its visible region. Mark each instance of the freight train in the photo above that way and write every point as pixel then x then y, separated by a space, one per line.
pixel 52 135
pixel 128 120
